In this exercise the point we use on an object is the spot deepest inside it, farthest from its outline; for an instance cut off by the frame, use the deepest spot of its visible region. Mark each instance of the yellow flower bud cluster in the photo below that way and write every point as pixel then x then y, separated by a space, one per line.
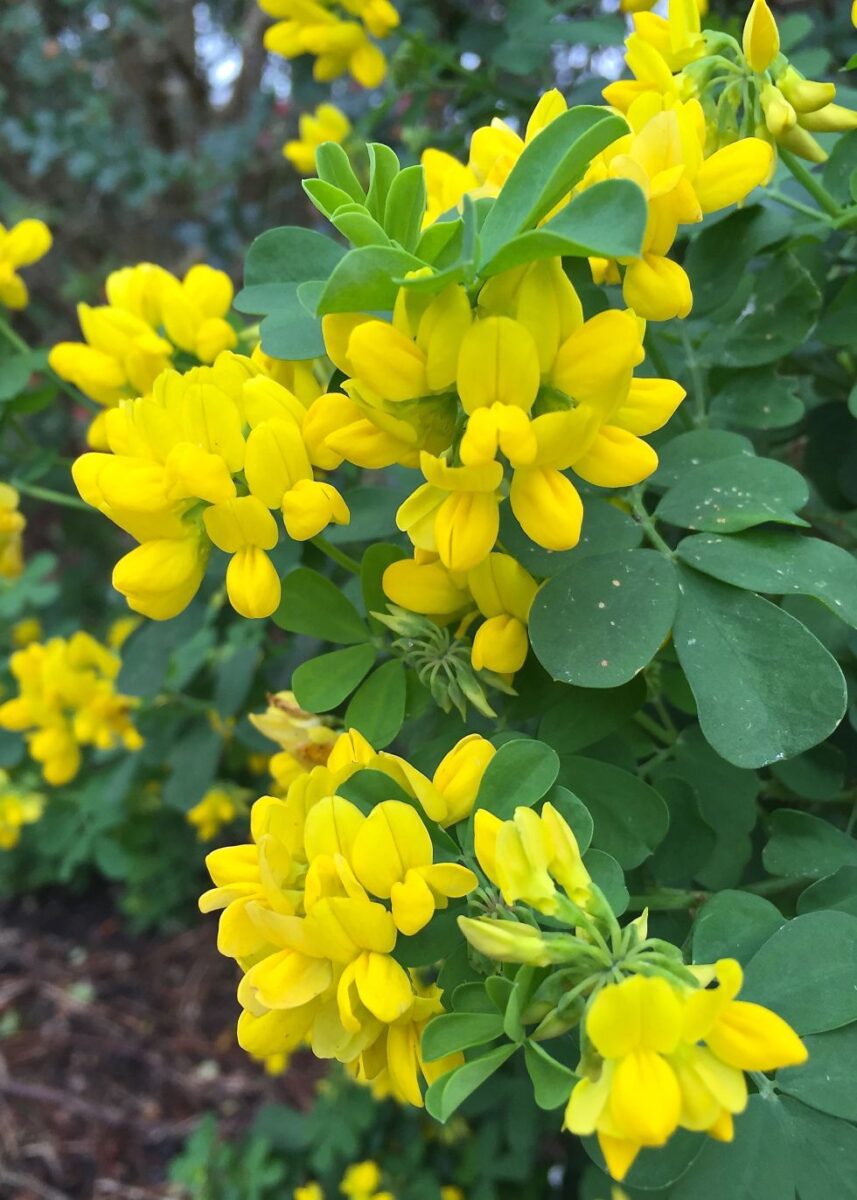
pixel 17 809
pixel 361 1181
pixel 12 525
pixel 130 340
pixel 313 907
pixel 305 740
pixel 337 33
pixel 327 124
pixel 493 399
pixel 202 461
pixel 20 246
pixel 66 700
pixel 217 808
pixel 673 59
pixel 659 1056
pixel 665 154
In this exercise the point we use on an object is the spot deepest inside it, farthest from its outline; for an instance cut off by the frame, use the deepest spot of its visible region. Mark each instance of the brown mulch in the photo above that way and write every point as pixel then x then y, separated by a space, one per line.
pixel 111 1049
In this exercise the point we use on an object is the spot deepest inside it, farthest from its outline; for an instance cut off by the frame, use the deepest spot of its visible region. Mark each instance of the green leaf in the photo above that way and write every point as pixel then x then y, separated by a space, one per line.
pixel 734 925
pixel 606 873
pixel 806 972
pixel 621 608
pixel 735 494
pixel 837 325
pixel 406 207
pixel 375 561
pixel 780 564
pixel 449 1092
pixel 311 604
pixel 383 170
pixel 326 197
pixel 369 787
pixel 377 708
pixel 765 688
pixel 547 170
pixel 292 334
pixel 518 775
pixel 433 944
pixel 823 1153
pixel 354 223
pixel 838 891
pixel 689 842
pixel 449 1032
pixel 552 1081
pixel 607 220
pixel 801 844
pixel 758 399
pixel 826 1081
pixel 770 314
pixel 736 239
pixel 695 448
pixel 755 1166
pixel 630 817
pixel 15 372
pixel 365 280
pixel 322 683
pixel 334 166
pixel 290 254
pixel 193 764
pixel 583 716
pixel 572 809
pixel 653 1169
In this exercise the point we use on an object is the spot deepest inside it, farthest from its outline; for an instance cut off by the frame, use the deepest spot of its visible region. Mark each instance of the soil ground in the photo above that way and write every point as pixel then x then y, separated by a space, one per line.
pixel 111 1048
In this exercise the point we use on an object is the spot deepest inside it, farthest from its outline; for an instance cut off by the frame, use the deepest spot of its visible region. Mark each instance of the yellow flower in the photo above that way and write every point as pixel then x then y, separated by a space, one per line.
pixel 121 630
pixel 761 37
pixel 305 739
pixel 456 513
pixel 216 809
pixel 326 124
pixel 12 525
pixel 20 246
pixel 17 809
pixel 361 1180
pixel 194 312
pixel 67 700
pixel 27 631
pixel 449 796
pixel 307 27
pixel 506 941
pixel 524 856
pixel 504 592
pixel 308 1191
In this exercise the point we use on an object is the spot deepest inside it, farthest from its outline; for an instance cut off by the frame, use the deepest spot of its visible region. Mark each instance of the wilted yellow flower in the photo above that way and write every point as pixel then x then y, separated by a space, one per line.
pixel 20 246
pixel 327 124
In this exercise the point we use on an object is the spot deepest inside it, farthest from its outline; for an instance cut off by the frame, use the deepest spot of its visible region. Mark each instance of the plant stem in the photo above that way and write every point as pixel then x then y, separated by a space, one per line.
pixel 51 496
pixel 810 184
pixel 667 900
pixel 12 337
pixel 697 381
pixel 15 339
pixel 647 521
pixel 336 555
pixel 806 209
pixel 652 727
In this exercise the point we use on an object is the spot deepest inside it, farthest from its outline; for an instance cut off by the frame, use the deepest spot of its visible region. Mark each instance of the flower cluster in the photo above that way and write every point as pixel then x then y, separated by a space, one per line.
pixel 744 90
pixel 660 1049
pixel 130 340
pixel 66 700
pixel 17 809
pixel 361 1181
pixel 217 808
pixel 496 398
pixel 666 152
pixel 337 33
pixel 201 462
pixel 12 525
pixel 20 246
pixel 327 124
pixel 314 906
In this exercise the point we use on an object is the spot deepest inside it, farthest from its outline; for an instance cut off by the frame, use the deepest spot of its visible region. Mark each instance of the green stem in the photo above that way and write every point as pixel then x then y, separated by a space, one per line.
pixel 70 390
pixel 336 555
pixel 810 184
pixel 12 337
pixel 696 378
pixel 782 198
pixel 648 523
pixel 52 497
pixel 652 727
pixel 667 900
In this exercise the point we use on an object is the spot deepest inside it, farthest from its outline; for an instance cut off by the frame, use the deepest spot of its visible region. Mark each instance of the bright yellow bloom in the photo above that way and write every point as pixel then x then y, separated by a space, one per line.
pixel 361 1180
pixel 216 809
pixel 20 246
pixel 327 124
pixel 177 460
pixel 66 700
pixel 664 1055
pixel 308 1191
pixel 761 37
pixel 524 857
pixel 17 809
pixel 194 312
pixel 337 45
pixel 12 525
pixel 449 796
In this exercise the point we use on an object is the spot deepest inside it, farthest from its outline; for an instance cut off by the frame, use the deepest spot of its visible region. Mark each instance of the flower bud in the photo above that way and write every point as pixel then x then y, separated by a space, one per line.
pixel 761 37
pixel 506 941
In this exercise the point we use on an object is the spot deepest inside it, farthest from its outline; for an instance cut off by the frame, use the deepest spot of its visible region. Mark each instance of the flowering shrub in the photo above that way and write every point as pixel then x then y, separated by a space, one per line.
pixel 539 458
